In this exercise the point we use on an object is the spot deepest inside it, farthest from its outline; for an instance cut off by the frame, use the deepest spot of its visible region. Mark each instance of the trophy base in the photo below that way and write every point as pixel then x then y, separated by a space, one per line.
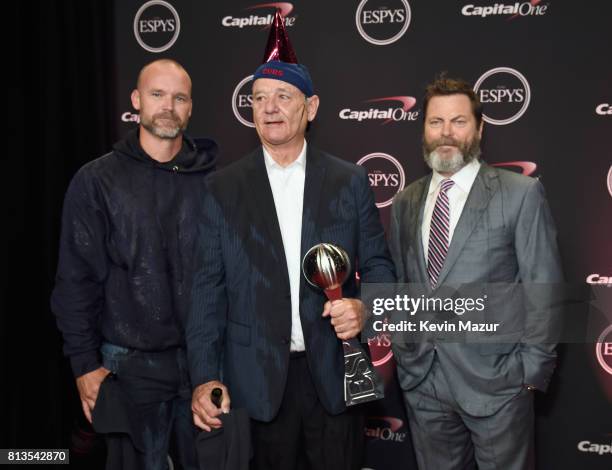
pixel 361 382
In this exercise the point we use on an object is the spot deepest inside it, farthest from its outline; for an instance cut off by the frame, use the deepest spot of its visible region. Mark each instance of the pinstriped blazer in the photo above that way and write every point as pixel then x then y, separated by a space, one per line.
pixel 239 326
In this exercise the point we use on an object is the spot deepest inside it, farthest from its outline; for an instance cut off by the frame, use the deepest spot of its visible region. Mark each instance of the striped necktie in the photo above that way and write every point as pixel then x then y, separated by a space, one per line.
pixel 439 233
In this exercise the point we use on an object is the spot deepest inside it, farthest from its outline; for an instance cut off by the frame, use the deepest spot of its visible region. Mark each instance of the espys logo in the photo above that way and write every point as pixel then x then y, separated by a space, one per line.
pixel 399 112
pixel 156 26
pixel 385 428
pixel 380 349
pixel 603 349
pixel 598 280
pixel 610 180
pixel 505 95
pixel 130 117
pixel 516 9
pixel 242 102
pixel 601 449
pixel 382 22
pixel 525 168
pixel 386 176
pixel 261 20
pixel 604 109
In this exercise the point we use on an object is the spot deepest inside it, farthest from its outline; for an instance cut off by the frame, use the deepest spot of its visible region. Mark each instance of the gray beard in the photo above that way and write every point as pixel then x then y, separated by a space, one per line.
pixel 163 133
pixel 461 157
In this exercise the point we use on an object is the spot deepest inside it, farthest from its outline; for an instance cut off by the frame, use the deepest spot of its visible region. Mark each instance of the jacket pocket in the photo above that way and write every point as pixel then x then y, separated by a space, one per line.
pixel 502 343
pixel 490 349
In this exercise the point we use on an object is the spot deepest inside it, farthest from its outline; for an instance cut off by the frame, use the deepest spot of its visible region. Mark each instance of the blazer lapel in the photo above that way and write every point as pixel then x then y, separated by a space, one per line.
pixel 477 202
pixel 418 202
pixel 265 207
pixel 313 186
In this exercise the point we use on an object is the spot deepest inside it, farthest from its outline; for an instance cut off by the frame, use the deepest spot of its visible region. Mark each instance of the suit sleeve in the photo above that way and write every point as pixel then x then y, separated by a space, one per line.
pixel 78 296
pixel 375 264
pixel 205 331
pixel 541 275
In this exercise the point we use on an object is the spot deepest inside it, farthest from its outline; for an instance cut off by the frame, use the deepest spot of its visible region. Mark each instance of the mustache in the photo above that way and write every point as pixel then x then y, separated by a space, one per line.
pixel 166 115
pixel 444 141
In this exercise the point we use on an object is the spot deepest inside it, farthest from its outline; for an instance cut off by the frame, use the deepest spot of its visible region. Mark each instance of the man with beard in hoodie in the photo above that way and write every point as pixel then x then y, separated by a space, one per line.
pixel 124 276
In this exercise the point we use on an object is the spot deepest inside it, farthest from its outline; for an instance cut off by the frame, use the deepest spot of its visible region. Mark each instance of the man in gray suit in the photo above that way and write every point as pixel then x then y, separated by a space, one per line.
pixel 469 223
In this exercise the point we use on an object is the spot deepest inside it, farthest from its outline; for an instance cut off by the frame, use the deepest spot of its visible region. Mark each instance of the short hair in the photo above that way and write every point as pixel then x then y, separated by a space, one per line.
pixel 160 61
pixel 444 86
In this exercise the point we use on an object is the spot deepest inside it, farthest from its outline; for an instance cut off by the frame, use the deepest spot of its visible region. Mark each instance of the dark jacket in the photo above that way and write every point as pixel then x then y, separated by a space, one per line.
pixel 240 322
pixel 125 250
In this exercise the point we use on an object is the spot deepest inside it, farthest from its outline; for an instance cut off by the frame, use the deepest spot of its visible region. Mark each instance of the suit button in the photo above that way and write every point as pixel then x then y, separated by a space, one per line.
pixel 285 340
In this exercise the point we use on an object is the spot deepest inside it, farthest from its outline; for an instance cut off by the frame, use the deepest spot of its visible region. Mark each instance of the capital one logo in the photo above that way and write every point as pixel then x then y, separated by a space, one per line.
pixel 600 449
pixel 156 26
pixel 386 176
pixel 130 117
pixel 603 349
pixel 515 10
pixel 604 109
pixel 599 280
pixel 392 109
pixel 505 95
pixel 525 168
pixel 382 22
pixel 242 102
pixel 256 19
pixel 385 428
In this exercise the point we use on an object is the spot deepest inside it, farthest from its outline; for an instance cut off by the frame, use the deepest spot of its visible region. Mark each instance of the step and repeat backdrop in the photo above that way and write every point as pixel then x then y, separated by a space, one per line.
pixel 543 72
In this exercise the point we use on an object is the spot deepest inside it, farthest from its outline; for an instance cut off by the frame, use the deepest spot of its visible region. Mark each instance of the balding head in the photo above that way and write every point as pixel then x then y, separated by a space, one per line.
pixel 159 65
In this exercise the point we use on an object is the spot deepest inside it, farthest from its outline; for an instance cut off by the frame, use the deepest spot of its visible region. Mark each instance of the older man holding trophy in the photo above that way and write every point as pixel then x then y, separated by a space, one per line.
pixel 258 330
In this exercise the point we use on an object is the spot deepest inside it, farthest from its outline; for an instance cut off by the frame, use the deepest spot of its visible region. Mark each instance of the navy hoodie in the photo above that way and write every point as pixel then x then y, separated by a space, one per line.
pixel 126 250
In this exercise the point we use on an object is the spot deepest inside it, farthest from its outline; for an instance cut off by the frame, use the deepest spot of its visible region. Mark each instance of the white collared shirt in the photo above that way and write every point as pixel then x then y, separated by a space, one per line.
pixel 457 195
pixel 287 185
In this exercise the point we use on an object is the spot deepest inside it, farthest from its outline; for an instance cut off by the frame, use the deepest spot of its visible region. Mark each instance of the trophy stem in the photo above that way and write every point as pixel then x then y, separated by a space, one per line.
pixel 334 293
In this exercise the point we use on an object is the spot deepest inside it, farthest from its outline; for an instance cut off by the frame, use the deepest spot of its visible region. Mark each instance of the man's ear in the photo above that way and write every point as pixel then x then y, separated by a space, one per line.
pixel 135 96
pixel 312 106
pixel 480 129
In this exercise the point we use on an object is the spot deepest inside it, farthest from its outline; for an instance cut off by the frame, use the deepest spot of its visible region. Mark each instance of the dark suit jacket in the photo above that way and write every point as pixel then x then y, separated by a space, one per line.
pixel 240 323
pixel 505 237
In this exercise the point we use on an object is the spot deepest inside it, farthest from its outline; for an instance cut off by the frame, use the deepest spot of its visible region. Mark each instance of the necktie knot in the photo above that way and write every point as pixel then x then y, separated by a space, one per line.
pixel 446 184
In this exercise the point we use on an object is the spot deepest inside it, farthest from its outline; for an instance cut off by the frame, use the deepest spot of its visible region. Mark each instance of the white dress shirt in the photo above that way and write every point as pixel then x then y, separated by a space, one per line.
pixel 457 195
pixel 287 185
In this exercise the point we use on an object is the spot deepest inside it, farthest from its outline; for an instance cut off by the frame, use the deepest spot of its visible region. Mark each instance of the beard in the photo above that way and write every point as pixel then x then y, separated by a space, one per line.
pixel 165 125
pixel 466 152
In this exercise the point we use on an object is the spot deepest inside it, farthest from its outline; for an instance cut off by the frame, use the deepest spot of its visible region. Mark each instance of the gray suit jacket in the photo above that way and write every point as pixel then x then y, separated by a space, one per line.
pixel 505 235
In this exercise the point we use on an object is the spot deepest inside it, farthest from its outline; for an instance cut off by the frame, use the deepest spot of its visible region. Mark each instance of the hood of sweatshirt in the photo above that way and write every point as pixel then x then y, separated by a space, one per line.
pixel 196 155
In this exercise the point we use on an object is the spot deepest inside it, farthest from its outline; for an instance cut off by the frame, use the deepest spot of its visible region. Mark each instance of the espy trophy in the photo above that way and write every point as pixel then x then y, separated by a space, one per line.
pixel 327 266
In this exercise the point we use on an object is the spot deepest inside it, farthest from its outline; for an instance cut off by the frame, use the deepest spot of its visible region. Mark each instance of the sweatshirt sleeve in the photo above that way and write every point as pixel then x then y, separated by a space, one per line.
pixel 78 296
